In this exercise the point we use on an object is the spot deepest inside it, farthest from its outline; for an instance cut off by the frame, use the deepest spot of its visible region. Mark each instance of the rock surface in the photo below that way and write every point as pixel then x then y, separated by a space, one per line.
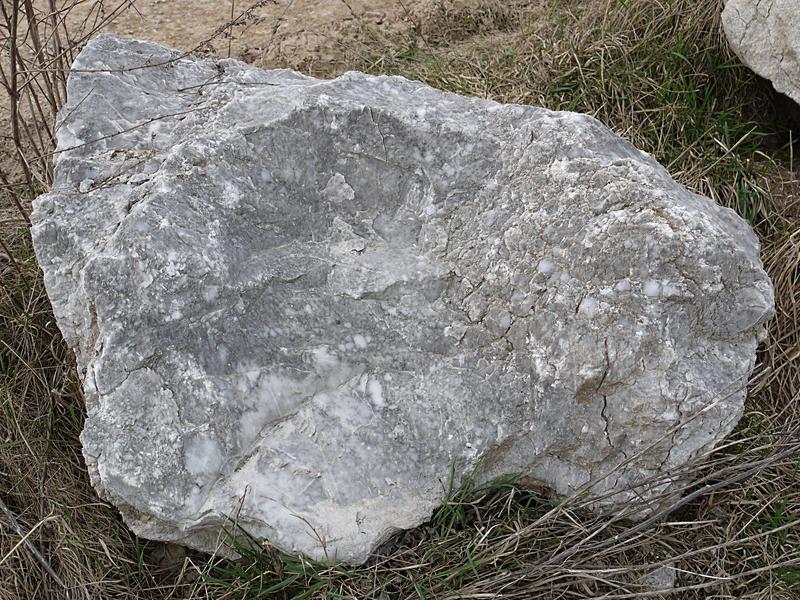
pixel 307 302
pixel 765 34
pixel 661 579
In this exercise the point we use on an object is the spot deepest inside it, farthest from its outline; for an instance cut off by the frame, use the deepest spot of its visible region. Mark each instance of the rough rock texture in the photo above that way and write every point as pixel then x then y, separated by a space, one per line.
pixel 307 301
pixel 765 34
pixel 661 579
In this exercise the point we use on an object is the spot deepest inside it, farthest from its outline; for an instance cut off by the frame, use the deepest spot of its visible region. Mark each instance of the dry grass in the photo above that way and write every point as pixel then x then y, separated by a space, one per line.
pixel 657 72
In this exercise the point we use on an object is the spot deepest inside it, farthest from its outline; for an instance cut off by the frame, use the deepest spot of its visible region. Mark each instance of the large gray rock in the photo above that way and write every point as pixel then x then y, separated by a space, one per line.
pixel 305 302
pixel 765 34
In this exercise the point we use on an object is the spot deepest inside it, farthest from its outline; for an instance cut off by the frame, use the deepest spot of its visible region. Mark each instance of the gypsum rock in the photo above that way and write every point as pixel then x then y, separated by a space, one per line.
pixel 305 302
pixel 765 34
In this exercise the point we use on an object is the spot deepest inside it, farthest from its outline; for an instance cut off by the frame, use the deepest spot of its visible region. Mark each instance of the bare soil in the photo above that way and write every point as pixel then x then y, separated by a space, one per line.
pixel 308 35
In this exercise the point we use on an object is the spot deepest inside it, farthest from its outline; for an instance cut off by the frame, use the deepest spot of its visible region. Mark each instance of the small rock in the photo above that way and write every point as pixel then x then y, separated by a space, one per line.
pixel 661 579
pixel 765 34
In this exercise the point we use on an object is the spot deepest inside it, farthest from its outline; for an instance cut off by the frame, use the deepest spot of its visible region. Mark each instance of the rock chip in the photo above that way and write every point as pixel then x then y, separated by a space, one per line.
pixel 661 579
pixel 765 34
pixel 307 303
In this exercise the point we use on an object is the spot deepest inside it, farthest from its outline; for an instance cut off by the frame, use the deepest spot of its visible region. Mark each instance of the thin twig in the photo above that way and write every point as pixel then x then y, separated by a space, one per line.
pixel 28 544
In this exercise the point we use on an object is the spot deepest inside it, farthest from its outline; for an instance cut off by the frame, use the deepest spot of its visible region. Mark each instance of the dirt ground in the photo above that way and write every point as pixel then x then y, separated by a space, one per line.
pixel 307 35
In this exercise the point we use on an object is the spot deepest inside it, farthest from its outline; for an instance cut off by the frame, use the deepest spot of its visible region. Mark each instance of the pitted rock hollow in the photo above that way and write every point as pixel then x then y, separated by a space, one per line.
pixel 307 302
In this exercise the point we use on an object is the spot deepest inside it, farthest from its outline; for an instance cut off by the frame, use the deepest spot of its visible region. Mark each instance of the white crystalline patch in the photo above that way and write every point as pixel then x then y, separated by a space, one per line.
pixel 623 286
pixel 375 391
pixel 174 264
pixel 231 195
pixel 652 288
pixel 560 168
pixel 337 189
pixel 546 266
pixel 324 358
pixel 202 455
pixel 360 341
pixel 211 292
pixel 588 307
pixel 668 288
pixel 67 138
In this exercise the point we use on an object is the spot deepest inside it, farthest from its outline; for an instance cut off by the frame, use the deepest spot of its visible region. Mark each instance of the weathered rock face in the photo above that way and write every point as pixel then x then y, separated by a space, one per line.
pixel 765 34
pixel 306 301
